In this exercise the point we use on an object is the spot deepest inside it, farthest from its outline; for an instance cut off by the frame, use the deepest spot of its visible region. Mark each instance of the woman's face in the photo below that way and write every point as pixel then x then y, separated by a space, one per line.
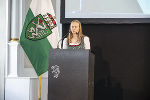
pixel 74 27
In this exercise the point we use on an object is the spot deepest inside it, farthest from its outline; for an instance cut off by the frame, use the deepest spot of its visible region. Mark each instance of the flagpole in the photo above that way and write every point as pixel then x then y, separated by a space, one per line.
pixel 39 96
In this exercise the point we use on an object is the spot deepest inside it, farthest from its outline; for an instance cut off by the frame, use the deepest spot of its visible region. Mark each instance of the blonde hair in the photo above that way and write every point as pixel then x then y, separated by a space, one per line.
pixel 80 34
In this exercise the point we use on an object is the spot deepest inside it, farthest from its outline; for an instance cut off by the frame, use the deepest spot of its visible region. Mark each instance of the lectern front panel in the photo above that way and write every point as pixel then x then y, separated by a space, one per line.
pixel 68 75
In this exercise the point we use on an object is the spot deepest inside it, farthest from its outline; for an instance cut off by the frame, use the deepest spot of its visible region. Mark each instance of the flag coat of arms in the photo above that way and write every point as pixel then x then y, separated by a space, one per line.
pixel 39 34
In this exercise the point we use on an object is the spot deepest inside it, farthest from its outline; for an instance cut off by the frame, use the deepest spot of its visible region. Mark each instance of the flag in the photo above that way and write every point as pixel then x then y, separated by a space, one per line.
pixel 39 34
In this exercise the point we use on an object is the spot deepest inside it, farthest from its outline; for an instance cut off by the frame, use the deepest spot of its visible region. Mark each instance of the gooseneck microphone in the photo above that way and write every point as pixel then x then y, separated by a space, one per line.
pixel 61 40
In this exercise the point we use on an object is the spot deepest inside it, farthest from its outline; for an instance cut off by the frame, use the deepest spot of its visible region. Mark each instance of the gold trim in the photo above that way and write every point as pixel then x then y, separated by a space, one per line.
pixel 14 39
pixel 54 17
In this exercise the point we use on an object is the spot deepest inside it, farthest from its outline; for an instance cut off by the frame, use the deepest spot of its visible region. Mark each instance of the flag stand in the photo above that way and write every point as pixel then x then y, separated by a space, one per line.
pixel 39 96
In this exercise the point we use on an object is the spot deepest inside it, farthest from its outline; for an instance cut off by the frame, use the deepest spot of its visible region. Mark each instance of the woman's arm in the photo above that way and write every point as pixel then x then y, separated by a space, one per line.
pixel 86 42
pixel 65 43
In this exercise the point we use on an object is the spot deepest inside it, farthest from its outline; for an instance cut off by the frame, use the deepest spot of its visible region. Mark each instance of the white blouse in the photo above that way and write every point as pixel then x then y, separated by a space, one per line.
pixel 86 43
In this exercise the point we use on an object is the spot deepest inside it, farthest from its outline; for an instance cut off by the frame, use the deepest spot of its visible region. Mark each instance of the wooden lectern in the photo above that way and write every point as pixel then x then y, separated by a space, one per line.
pixel 70 75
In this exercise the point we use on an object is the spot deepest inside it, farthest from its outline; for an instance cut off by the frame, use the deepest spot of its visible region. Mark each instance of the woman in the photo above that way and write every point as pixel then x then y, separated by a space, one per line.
pixel 76 39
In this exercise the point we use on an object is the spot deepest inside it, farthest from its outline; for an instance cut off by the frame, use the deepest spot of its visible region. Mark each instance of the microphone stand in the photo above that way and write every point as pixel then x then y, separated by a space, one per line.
pixel 62 41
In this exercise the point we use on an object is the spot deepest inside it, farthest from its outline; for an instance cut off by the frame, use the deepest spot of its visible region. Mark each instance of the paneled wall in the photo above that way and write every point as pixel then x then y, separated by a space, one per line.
pixel 2 46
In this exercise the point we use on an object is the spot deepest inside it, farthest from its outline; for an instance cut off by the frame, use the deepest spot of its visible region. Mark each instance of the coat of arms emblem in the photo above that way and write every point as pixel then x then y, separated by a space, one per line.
pixel 40 27
pixel 55 71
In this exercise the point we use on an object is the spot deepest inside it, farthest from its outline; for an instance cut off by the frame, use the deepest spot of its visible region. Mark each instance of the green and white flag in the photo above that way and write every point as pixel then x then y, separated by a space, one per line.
pixel 39 34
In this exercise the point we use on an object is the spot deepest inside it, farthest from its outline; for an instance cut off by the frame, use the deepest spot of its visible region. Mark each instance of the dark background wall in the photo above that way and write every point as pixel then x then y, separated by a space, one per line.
pixel 122 54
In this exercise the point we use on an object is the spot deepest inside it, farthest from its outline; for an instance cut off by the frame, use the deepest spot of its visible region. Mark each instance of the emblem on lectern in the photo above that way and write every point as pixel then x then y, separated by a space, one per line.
pixel 55 71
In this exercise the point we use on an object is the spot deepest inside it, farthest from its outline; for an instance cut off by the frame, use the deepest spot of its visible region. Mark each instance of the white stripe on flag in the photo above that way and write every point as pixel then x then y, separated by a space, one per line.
pixel 44 7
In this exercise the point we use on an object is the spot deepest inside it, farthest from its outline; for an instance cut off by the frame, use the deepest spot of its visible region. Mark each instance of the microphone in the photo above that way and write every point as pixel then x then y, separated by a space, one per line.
pixel 61 40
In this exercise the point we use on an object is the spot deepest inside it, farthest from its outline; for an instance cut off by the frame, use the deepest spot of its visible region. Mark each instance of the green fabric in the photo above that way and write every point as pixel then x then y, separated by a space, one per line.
pixel 37 51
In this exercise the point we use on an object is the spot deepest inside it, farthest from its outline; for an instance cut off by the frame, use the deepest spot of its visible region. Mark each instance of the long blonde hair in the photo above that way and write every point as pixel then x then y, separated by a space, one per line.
pixel 80 34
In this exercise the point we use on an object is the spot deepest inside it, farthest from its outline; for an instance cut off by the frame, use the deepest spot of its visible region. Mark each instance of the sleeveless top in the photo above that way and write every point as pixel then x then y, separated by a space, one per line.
pixel 80 46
